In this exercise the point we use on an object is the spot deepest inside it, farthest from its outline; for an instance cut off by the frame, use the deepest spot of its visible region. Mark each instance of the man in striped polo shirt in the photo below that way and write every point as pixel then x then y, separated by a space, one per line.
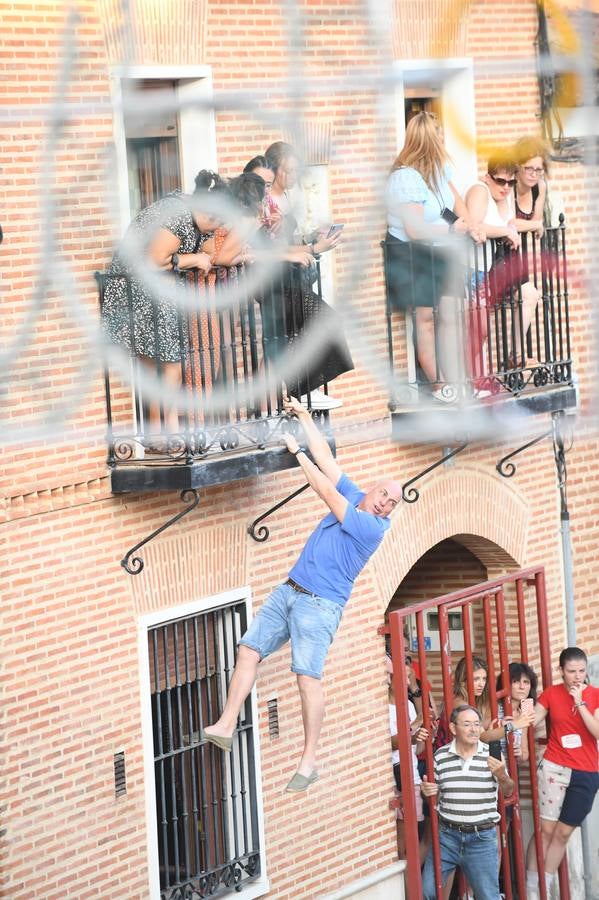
pixel 465 784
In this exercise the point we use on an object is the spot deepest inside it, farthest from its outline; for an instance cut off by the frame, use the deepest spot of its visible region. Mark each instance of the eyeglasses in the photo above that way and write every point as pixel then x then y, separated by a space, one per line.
pixel 503 182
pixel 531 170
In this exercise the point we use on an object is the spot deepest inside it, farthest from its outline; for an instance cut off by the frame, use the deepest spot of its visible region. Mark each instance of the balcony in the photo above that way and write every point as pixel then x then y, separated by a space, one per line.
pixel 493 352
pixel 216 415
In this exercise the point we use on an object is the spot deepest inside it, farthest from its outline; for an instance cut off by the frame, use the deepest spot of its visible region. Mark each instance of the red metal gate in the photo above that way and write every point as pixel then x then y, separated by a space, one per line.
pixel 512 619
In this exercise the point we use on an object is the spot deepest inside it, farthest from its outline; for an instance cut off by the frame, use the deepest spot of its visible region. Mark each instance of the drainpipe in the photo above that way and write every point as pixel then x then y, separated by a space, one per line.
pixel 562 476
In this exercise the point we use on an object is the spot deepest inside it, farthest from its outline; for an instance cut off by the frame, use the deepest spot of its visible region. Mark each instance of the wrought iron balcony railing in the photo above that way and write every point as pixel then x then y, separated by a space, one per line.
pixel 242 342
pixel 498 327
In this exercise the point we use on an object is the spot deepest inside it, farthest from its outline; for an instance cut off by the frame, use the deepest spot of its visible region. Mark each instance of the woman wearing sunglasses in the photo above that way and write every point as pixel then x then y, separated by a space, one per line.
pixel 491 204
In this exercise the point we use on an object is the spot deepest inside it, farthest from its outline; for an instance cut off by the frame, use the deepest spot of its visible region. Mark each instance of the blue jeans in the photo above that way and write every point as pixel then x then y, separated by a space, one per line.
pixel 309 622
pixel 476 855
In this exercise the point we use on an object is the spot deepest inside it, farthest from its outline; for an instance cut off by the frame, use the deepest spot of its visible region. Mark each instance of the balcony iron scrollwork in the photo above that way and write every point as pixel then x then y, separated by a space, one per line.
pixel 262 533
pixel 507 469
pixel 134 564
pixel 411 494
pixel 240 353
pixel 219 881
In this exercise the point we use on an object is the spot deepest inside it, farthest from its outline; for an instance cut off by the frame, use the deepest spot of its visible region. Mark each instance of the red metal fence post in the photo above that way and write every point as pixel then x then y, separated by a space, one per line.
pixel 404 744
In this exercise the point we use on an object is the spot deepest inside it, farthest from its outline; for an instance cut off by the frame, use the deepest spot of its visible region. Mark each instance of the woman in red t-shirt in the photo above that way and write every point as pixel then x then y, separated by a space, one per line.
pixel 568 773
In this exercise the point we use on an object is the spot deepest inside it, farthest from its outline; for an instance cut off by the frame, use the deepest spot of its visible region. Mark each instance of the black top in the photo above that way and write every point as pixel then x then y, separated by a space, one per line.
pixel 520 214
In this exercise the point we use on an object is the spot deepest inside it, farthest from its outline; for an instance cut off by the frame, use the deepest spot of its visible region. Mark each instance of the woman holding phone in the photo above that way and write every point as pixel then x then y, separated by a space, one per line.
pixel 523 694
pixel 305 314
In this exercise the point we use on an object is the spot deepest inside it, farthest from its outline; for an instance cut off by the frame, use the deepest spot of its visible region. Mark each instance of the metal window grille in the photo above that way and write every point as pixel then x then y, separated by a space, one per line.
pixel 120 775
pixel 273 719
pixel 206 808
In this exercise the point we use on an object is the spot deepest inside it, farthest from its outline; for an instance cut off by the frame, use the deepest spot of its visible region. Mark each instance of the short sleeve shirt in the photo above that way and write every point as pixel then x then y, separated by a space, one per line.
pixel 336 552
pixel 406 185
pixel 570 742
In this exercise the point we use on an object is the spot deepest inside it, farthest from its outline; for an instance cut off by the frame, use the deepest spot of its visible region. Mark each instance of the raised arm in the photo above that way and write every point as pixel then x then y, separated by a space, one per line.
pixel 506 784
pixel 317 443
pixel 540 714
pixel 591 720
pixel 317 480
pixel 165 243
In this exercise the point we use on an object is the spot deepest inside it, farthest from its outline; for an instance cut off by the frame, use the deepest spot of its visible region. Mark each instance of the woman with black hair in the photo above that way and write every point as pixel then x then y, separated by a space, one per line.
pixel 523 687
pixel 140 311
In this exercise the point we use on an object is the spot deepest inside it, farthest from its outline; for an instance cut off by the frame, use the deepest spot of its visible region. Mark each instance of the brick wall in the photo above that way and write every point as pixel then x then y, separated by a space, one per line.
pixel 69 613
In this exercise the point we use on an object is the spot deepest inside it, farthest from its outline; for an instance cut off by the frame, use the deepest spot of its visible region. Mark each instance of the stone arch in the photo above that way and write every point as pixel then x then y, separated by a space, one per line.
pixel 487 516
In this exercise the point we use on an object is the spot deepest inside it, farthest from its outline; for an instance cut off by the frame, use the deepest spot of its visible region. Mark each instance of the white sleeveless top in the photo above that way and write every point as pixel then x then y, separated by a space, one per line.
pixel 495 218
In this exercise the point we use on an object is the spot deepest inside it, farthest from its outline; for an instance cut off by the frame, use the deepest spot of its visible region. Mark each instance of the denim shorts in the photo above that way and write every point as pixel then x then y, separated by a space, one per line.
pixel 308 621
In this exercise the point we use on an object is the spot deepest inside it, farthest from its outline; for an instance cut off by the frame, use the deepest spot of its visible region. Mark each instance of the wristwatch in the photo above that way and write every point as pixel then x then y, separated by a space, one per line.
pixel 509 727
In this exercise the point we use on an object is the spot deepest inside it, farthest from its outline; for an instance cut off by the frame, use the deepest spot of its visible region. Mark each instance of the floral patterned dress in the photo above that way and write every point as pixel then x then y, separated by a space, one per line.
pixel 152 327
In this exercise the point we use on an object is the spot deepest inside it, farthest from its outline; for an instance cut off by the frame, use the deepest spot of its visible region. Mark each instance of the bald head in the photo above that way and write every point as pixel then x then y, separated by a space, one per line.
pixel 382 498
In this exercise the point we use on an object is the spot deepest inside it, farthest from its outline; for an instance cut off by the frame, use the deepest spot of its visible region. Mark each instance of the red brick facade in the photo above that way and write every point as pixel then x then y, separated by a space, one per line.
pixel 69 632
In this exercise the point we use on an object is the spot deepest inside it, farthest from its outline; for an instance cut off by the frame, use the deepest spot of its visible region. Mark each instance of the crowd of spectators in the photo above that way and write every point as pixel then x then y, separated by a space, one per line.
pixel 471 762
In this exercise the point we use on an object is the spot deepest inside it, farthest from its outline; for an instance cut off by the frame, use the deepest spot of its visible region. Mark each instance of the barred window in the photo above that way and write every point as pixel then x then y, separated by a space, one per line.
pixel 206 800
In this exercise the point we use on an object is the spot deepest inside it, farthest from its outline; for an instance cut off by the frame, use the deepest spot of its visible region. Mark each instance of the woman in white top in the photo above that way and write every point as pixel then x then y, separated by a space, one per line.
pixel 490 203
pixel 420 198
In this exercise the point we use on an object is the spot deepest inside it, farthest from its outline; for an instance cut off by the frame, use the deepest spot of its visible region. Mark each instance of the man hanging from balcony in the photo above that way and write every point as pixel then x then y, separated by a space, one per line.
pixel 306 609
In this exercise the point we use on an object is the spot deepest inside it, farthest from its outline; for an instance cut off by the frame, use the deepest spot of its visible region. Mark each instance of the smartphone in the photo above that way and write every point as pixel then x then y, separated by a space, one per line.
pixel 448 215
pixel 527 706
pixel 336 229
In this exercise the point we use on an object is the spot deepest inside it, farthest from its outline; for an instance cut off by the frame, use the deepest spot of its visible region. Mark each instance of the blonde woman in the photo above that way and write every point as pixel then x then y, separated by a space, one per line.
pixel 530 155
pixel 423 206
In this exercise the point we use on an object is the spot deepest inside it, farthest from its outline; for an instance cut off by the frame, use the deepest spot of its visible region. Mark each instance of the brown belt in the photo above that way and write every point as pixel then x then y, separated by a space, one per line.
pixel 297 587
pixel 467 829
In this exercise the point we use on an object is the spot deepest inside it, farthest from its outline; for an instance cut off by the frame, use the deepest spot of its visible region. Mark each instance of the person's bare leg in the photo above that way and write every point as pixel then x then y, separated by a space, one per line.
pixel 530 299
pixel 425 339
pixel 170 376
pixel 547 828
pixel 401 839
pixel 447 886
pixel 312 698
pixel 450 340
pixel 425 843
pixel 557 847
pixel 242 681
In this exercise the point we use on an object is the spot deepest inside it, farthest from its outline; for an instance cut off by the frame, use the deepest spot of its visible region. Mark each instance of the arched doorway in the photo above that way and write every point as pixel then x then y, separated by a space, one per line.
pixel 450 565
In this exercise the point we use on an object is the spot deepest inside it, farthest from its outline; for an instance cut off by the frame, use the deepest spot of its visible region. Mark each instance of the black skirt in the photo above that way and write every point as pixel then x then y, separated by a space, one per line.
pixel 416 273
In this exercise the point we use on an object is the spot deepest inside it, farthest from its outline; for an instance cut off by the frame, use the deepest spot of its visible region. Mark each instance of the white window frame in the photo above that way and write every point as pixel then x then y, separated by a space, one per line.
pixel 455 80
pixel 256 888
pixel 197 126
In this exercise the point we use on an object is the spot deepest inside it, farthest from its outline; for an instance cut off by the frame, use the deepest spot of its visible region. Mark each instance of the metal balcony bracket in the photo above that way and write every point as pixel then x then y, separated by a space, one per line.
pixel 262 533
pixel 507 469
pixel 411 494
pixel 134 564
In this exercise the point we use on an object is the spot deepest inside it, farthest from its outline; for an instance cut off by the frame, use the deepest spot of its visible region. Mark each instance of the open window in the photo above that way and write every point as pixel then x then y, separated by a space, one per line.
pixel 164 132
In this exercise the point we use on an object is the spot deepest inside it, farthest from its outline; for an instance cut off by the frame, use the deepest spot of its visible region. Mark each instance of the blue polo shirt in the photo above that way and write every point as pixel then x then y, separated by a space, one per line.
pixel 336 552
